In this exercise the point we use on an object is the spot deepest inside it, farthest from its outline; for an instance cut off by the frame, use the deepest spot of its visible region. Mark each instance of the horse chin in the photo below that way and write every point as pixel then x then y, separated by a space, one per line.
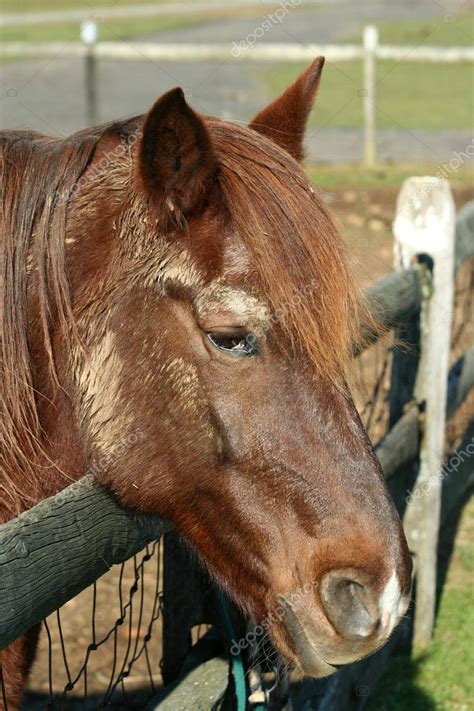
pixel 299 651
pixel 316 669
pixel 304 657
pixel 298 642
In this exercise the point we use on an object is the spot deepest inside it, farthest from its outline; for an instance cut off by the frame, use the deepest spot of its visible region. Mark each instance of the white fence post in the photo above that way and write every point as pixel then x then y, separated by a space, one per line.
pixel 89 37
pixel 424 231
pixel 370 41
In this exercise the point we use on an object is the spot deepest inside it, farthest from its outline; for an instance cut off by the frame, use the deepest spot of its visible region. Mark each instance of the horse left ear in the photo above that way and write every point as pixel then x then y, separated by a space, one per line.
pixel 176 157
pixel 284 120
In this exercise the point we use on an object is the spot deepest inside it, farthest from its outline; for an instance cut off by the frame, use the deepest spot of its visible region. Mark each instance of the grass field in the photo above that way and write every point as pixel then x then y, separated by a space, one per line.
pixel 441 678
pixel 345 176
pixel 409 94
pixel 110 29
pixel 43 5
pixel 448 31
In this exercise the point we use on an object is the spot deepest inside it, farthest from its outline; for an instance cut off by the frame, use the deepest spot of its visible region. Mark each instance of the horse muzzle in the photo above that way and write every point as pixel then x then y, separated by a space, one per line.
pixel 343 620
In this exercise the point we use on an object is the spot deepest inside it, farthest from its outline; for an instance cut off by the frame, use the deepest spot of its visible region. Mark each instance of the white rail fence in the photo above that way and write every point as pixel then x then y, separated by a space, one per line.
pixel 369 52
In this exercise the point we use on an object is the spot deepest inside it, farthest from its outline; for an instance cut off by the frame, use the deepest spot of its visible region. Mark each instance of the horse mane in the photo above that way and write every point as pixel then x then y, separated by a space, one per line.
pixel 37 174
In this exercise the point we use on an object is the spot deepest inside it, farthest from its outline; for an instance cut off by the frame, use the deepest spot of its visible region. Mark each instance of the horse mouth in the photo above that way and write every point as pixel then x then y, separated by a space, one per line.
pixel 308 659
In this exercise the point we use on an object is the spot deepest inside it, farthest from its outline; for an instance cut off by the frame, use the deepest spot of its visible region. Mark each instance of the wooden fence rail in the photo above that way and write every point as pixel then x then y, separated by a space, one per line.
pixel 396 297
pixel 264 52
pixel 60 546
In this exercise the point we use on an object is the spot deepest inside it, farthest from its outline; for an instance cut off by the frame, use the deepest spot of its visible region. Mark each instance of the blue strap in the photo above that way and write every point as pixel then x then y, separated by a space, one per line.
pixel 238 671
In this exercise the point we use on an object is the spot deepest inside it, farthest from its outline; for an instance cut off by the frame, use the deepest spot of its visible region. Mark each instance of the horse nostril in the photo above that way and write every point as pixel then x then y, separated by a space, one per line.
pixel 349 604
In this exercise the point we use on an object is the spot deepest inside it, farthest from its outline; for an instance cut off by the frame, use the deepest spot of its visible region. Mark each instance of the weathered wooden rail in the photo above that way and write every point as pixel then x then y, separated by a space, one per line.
pixel 59 547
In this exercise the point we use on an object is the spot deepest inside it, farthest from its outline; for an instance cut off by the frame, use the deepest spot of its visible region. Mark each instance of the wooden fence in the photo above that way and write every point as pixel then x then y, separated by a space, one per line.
pixel 60 546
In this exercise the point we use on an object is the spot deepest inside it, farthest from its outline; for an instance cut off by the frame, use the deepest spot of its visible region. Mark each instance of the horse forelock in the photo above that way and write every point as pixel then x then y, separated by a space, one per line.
pixel 293 247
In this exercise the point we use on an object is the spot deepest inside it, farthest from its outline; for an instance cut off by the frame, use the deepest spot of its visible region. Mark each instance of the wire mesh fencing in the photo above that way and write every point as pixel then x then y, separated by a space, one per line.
pixel 103 648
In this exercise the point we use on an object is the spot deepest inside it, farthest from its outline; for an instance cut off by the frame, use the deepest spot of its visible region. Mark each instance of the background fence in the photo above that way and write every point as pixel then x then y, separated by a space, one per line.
pixel 62 545
pixel 92 51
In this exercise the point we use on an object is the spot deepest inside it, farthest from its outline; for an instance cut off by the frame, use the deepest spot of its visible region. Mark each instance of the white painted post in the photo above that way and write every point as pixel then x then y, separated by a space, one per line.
pixel 424 232
pixel 89 34
pixel 371 40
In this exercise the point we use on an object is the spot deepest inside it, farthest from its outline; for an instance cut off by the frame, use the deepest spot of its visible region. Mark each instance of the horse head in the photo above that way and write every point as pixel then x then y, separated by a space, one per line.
pixel 203 360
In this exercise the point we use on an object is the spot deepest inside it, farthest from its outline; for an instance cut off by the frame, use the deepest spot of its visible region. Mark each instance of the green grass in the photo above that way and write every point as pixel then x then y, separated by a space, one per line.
pixel 441 678
pixel 449 30
pixel 108 30
pixel 409 94
pixel 355 176
pixel 42 5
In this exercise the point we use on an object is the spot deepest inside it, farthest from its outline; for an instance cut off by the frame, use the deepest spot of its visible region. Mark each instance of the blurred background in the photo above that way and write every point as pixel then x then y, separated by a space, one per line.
pixel 423 108
pixel 396 100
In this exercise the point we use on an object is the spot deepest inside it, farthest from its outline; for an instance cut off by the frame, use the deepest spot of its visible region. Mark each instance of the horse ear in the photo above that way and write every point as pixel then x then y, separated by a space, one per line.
pixel 176 156
pixel 284 120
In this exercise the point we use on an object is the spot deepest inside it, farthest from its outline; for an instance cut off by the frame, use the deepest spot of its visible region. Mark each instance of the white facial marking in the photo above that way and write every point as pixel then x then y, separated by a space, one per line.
pixel 180 267
pixel 389 603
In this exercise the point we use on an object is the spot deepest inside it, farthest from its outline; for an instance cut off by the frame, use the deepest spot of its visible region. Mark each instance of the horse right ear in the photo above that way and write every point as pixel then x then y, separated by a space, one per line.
pixel 176 157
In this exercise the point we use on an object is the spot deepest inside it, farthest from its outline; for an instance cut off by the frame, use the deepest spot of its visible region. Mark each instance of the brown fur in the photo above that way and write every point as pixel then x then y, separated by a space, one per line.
pixel 122 247
pixel 284 120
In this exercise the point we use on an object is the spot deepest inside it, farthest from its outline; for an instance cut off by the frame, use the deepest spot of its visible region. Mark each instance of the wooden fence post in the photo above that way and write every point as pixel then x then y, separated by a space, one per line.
pixel 370 41
pixel 424 232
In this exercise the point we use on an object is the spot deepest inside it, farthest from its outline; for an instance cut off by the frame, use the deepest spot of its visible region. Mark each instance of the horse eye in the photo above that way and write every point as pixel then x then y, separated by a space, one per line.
pixel 234 342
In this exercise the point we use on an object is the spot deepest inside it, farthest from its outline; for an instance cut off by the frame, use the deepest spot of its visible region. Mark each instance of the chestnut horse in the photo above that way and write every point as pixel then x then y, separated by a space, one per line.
pixel 178 304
